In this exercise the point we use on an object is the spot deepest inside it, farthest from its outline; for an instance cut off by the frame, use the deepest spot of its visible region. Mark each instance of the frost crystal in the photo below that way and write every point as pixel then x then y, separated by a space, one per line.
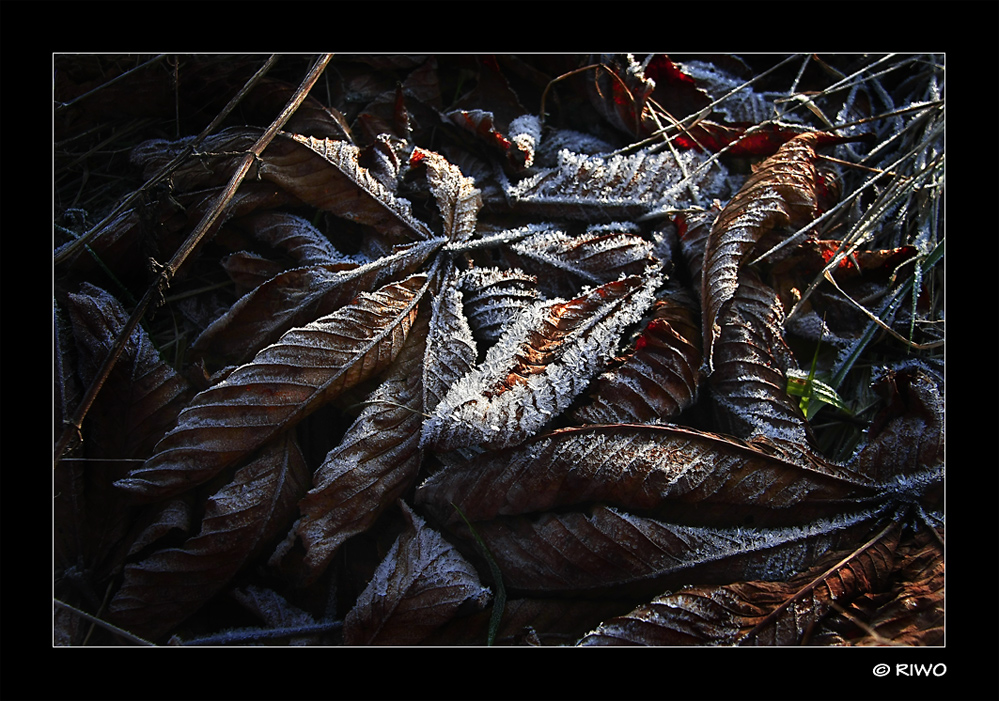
pixel 524 382
pixel 525 131
pixel 619 186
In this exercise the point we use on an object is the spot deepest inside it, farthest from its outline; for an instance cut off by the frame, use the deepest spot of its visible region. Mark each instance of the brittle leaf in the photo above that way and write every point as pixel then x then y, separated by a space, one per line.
pixel 659 377
pixel 538 367
pixel 786 192
pixel 299 296
pixel 375 462
pixel 755 612
pixel 283 384
pixel 418 587
pixel 607 549
pixel 642 468
pixel 240 519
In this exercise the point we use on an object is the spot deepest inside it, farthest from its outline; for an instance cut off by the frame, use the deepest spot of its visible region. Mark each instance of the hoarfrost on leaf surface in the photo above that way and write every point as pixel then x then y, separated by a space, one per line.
pixel 538 367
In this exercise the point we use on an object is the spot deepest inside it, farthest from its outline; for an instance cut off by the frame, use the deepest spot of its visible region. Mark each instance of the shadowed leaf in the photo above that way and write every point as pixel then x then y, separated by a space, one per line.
pixel 284 383
pixel 163 589
pixel 374 463
pixel 419 586
pixel 755 612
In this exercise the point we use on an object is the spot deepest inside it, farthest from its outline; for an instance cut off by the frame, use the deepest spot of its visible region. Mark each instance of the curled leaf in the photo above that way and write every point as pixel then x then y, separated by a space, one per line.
pixel 457 197
pixel 786 192
pixel 749 383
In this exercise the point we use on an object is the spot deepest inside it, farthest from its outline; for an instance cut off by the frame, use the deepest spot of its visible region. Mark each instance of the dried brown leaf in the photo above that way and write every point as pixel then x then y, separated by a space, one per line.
pixel 658 378
pixel 283 384
pixel 642 468
pixel 298 297
pixel 538 367
pixel 326 174
pixel 755 612
pixel 906 438
pixel 785 192
pixel 160 591
pixel 419 586
pixel 458 200
pixel 749 383
pixel 373 465
pixel 604 549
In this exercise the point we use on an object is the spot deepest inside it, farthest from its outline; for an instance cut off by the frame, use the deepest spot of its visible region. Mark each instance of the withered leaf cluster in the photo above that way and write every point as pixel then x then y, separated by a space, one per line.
pixel 520 350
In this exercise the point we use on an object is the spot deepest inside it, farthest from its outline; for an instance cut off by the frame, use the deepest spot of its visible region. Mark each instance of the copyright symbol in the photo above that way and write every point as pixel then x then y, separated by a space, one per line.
pixel 881 670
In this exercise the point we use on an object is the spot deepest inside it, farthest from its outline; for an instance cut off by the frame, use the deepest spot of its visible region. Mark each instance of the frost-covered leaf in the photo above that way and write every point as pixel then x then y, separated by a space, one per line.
pixel 458 200
pixel 906 438
pixel 740 106
pixel 283 384
pixel 595 188
pixel 538 367
pixel 563 262
pixel 493 297
pixel 755 612
pixel 294 236
pixel 749 383
pixel 419 586
pixel 298 297
pixel 240 519
pixel 375 462
pixel 326 174
pixel 518 152
pixel 651 469
pixel 450 348
pixel 785 192
pixel 620 92
pixel 692 230
pixel 604 549
pixel 659 377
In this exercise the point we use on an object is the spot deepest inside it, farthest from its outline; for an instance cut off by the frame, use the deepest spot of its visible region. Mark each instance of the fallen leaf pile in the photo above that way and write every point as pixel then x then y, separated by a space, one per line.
pixel 519 350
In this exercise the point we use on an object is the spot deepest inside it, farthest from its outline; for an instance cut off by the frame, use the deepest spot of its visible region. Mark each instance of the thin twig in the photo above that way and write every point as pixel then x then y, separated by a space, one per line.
pixel 166 272
pixel 242 636
pixel 102 623
pixel 71 249
pixel 63 105
pixel 814 584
